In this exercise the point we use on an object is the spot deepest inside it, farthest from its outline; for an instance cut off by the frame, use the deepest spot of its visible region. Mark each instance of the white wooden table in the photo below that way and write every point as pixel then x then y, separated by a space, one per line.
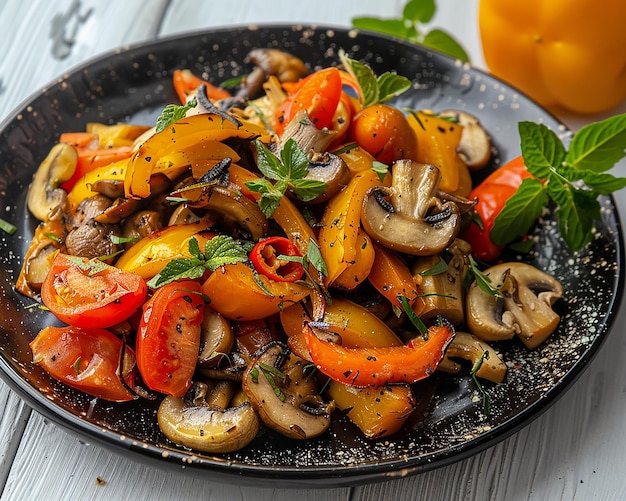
pixel 573 451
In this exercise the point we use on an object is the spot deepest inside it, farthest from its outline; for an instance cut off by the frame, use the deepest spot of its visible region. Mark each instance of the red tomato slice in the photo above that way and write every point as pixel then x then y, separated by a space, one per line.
pixel 168 338
pixel 319 95
pixel 88 293
pixel 85 359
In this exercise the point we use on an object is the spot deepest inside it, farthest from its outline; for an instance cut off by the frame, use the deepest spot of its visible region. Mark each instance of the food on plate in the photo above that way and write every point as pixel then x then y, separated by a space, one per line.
pixel 264 257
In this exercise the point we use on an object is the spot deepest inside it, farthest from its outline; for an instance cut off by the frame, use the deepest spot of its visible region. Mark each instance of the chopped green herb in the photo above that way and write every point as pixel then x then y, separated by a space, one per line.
pixel 271 374
pixel 381 169
pixel 475 369
pixel 415 320
pixel 122 240
pixel 7 227
pixel 438 269
pixel 91 266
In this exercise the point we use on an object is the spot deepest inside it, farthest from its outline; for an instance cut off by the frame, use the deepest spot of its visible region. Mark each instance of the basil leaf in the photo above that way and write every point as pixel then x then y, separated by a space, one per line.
pixel 314 255
pixel 598 146
pixel 364 76
pixel 520 212
pixel 542 149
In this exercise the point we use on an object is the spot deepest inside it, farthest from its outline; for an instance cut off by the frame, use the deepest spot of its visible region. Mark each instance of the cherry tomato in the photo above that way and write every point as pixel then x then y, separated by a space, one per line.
pixel 492 195
pixel 86 359
pixel 384 132
pixel 88 293
pixel 319 94
pixel 265 257
pixel 168 337
pixel 376 366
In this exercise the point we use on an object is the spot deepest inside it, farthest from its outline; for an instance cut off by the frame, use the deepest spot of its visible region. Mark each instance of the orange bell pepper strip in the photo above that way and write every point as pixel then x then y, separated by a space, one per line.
pixel 377 366
pixel 185 83
pixel 357 271
pixel 236 292
pixel 179 136
pixel 339 232
pixel 391 276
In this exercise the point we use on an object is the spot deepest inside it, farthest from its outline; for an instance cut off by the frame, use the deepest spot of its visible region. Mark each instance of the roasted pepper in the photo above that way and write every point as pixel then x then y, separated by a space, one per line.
pixel 563 53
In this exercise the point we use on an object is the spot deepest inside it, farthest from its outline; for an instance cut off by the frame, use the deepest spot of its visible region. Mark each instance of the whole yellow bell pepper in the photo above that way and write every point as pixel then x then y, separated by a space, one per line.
pixel 566 54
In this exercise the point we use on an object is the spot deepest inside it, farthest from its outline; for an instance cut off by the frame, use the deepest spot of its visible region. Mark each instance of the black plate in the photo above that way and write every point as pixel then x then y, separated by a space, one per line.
pixel 133 84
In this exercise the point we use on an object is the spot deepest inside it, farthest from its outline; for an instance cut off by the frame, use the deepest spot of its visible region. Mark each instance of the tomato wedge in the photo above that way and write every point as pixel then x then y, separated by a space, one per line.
pixel 87 360
pixel 377 366
pixel 88 293
pixel 168 337
pixel 266 258
pixel 318 95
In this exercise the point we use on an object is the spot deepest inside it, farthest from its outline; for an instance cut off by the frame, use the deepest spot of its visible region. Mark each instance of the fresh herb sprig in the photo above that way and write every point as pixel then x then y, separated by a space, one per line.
pixel 220 250
pixel 408 26
pixel 7 227
pixel 288 173
pixel 374 89
pixel 572 179
pixel 172 113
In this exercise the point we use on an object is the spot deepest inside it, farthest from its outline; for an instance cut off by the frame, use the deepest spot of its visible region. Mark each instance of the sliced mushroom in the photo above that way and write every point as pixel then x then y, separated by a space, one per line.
pixel 286 400
pixel 475 146
pixel 468 347
pixel 231 208
pixel 141 224
pixel 304 132
pixel 92 240
pixel 87 210
pixel 523 308
pixel 442 293
pixel 408 216
pixel 285 66
pixel 44 193
pixel 216 340
pixel 193 422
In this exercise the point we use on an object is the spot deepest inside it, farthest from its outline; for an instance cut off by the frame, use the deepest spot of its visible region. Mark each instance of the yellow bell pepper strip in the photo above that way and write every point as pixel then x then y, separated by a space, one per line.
pixel 358 271
pixel 563 53
pixel 391 276
pixel 81 190
pixel 113 136
pixel 236 292
pixel 378 366
pixel 356 158
pixel 148 256
pixel 379 411
pixel 179 136
pixel 437 142
pixel 340 224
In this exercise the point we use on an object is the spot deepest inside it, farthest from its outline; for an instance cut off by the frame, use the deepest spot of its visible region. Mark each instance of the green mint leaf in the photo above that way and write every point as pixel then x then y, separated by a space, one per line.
pixel 421 11
pixel 576 211
pixel 295 160
pixel 178 269
pixel 308 189
pixel 443 42
pixel 391 85
pixel 268 163
pixel 223 249
pixel 172 113
pixel 598 146
pixel 520 212
pixel 600 183
pixel 394 27
pixel 194 249
pixel 91 266
pixel 542 149
pixel 314 255
pixel 364 76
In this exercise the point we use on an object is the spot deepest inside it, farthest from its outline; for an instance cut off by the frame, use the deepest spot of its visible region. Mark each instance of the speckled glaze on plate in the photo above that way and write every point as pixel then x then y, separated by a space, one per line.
pixel 133 84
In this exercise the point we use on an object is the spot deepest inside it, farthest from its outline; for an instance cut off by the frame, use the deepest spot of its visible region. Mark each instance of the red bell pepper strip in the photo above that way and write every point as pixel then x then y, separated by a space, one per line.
pixel 492 194
pixel 265 257
pixel 185 82
pixel 378 366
